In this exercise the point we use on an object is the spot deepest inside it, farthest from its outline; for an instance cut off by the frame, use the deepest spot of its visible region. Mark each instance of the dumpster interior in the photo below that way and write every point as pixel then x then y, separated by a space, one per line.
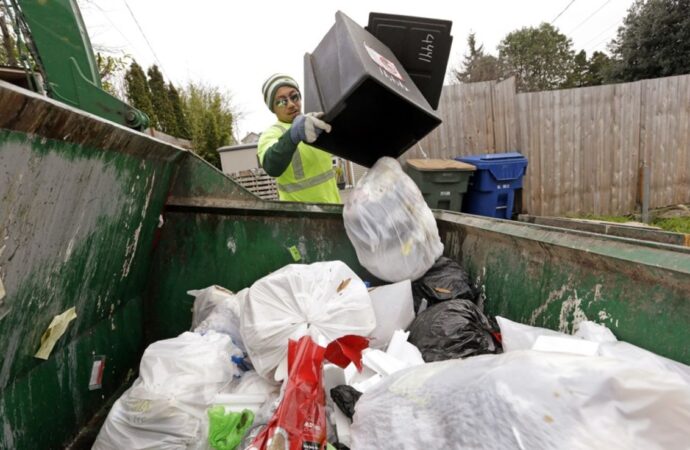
pixel 120 226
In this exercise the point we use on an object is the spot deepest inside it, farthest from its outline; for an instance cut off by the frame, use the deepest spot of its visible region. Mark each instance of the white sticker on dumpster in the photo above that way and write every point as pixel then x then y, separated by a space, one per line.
pixel 96 379
pixel 445 193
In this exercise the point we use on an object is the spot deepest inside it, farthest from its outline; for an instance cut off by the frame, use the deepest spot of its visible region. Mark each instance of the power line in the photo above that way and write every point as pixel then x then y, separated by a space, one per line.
pixel 561 13
pixel 589 17
pixel 147 41
pixel 593 47
pixel 104 14
pixel 599 35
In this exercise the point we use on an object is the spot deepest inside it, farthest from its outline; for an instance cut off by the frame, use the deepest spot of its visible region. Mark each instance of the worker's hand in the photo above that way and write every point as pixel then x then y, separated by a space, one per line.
pixel 308 127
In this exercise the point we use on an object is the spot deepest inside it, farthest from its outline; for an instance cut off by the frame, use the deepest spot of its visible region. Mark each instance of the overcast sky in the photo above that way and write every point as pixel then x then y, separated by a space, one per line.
pixel 236 45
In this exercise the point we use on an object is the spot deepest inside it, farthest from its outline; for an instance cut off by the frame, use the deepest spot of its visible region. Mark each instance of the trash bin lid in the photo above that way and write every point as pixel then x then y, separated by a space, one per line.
pixel 439 164
pixel 503 166
pixel 489 157
pixel 422 45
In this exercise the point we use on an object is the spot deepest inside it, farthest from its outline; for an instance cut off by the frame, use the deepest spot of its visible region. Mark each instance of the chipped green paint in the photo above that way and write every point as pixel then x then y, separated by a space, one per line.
pixel 44 409
pixel 79 205
pixel 233 248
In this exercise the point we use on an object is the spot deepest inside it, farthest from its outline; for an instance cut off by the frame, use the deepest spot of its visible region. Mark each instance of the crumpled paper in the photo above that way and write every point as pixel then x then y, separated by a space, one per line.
pixel 55 330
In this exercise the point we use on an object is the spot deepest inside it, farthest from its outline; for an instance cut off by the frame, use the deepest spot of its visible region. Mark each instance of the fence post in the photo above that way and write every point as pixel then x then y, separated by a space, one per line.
pixel 643 189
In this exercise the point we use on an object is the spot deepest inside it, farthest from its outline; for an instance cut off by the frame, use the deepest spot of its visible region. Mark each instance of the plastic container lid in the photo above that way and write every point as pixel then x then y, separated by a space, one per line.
pixel 492 157
pixel 422 46
pixel 439 165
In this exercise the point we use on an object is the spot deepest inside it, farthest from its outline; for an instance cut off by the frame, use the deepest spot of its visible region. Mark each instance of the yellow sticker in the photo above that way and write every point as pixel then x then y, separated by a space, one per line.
pixel 296 255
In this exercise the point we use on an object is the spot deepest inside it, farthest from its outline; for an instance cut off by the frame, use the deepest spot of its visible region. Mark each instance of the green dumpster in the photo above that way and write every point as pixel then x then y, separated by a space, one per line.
pixel 443 182
pixel 119 226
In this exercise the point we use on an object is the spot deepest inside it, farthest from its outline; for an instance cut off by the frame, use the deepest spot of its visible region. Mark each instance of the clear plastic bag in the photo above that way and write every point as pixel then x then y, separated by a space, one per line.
pixel 390 226
pixel 218 309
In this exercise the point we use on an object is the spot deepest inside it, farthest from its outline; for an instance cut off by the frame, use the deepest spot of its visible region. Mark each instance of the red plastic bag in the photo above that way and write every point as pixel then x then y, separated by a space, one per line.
pixel 299 423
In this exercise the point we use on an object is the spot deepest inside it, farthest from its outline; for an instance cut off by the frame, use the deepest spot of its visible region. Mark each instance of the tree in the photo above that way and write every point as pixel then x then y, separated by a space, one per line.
pixel 181 123
pixel 540 58
pixel 579 76
pixel 210 117
pixel 599 69
pixel 138 92
pixel 8 50
pixel 160 98
pixel 654 41
pixel 477 66
pixel 111 71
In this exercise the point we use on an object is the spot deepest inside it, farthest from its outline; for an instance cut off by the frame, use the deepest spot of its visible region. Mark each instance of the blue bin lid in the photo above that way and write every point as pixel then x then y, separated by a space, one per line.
pixel 503 166
pixel 488 158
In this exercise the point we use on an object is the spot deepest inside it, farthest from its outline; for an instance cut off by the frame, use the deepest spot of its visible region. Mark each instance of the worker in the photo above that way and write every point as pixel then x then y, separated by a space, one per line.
pixel 303 173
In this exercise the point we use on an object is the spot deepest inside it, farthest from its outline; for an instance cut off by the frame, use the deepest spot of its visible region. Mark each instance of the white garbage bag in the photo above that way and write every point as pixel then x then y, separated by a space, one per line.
pixel 517 336
pixel 218 309
pixel 525 400
pixel 325 300
pixel 166 406
pixel 390 226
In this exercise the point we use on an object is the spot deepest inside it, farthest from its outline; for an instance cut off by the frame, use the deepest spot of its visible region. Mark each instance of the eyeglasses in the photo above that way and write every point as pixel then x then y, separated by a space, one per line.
pixel 283 101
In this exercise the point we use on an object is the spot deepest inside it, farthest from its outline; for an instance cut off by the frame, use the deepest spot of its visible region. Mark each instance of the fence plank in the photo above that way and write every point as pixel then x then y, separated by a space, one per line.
pixel 505 116
pixel 584 145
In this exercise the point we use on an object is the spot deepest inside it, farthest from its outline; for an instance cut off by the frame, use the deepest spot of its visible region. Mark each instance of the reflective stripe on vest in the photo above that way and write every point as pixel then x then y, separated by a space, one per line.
pixel 309 182
pixel 297 165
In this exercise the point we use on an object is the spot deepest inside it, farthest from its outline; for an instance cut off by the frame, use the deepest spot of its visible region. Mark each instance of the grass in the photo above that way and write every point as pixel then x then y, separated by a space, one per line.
pixel 674 224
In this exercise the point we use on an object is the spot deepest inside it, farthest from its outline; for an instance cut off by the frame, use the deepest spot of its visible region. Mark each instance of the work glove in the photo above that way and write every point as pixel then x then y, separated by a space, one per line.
pixel 308 127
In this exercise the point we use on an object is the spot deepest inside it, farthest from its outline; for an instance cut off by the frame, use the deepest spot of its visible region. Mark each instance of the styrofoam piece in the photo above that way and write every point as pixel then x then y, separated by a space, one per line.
pixel 399 348
pixel 381 362
pixel 393 308
pixel 342 426
pixel 517 336
pixel 352 375
pixel 240 402
pixel 367 384
pixel 335 376
pixel 566 345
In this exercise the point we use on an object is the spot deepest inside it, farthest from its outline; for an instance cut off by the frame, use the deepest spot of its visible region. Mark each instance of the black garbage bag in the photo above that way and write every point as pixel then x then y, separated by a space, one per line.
pixel 453 329
pixel 345 397
pixel 339 446
pixel 445 280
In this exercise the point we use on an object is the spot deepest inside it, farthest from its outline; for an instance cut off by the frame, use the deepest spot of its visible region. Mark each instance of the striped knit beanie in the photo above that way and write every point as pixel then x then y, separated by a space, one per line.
pixel 274 82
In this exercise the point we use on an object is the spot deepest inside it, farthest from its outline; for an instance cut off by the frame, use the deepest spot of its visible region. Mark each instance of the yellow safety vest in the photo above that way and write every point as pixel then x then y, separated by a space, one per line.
pixel 309 177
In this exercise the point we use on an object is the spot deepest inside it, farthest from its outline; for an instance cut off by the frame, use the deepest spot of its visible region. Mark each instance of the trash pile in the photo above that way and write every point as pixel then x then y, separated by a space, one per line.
pixel 310 357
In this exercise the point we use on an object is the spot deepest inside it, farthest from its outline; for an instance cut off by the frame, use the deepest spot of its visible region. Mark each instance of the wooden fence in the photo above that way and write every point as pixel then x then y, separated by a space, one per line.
pixel 586 147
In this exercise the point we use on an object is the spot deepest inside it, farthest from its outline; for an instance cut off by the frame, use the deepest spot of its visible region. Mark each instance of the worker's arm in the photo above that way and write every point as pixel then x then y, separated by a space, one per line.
pixel 278 156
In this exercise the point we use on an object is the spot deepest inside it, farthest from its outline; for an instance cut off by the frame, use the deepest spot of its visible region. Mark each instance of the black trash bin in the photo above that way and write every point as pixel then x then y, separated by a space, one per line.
pixel 374 106
pixel 422 46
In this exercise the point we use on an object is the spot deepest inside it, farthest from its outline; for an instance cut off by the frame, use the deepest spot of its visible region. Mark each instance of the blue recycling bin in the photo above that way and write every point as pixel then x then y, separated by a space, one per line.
pixel 491 190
